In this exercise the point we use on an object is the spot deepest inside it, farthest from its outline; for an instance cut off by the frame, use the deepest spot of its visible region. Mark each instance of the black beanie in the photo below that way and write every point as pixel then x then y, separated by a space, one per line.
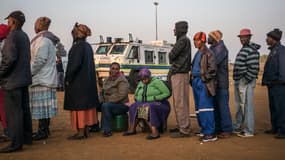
pixel 276 34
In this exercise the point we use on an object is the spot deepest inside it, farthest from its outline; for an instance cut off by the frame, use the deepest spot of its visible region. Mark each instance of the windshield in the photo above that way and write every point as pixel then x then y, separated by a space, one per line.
pixel 118 49
pixel 103 49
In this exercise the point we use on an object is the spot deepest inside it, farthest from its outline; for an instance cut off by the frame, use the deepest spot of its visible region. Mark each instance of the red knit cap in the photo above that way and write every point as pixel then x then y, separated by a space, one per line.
pixel 200 36
pixel 4 31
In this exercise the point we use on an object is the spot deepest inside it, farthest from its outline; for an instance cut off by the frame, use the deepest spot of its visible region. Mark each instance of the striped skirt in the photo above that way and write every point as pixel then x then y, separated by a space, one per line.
pixel 43 102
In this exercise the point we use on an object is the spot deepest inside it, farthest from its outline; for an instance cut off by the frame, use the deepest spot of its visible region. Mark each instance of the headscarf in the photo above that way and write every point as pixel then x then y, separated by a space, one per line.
pixel 42 23
pixel 200 36
pixel 4 31
pixel 144 73
pixel 81 31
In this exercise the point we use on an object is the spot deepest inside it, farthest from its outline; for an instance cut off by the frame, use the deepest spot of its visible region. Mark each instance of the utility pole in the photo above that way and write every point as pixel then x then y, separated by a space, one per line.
pixel 156 35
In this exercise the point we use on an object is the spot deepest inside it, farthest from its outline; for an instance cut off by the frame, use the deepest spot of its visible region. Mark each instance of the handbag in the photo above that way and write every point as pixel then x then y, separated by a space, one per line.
pixel 143 112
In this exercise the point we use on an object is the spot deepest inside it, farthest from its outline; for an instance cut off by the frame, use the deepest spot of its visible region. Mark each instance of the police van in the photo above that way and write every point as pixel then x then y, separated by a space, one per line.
pixel 132 56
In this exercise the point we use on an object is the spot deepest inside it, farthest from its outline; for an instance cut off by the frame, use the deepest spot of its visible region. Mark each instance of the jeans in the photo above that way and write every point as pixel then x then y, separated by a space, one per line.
pixel 244 105
pixel 108 111
pixel 223 119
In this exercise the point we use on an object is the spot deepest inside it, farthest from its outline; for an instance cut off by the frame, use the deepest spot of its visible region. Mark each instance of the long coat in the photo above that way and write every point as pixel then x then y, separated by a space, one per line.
pixel 80 79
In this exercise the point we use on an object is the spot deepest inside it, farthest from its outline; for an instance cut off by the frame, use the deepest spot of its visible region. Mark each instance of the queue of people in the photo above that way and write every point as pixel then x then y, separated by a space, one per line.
pixel 28 79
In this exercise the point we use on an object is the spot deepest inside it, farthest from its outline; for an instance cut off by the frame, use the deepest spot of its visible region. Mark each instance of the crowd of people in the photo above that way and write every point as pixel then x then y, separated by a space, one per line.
pixel 30 72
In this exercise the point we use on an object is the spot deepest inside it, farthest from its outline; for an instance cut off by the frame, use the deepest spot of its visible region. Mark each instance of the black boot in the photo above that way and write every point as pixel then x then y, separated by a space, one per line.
pixel 48 123
pixel 39 126
pixel 43 130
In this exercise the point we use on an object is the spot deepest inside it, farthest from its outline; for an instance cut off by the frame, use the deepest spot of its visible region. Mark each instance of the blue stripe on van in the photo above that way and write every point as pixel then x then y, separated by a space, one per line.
pixel 127 66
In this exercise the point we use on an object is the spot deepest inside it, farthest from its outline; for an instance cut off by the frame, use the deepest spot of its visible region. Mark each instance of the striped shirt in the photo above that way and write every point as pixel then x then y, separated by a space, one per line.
pixel 247 63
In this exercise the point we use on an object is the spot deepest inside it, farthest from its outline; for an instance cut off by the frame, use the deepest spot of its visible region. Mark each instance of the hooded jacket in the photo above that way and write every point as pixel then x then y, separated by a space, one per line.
pixel 180 55
pixel 246 65
pixel 43 59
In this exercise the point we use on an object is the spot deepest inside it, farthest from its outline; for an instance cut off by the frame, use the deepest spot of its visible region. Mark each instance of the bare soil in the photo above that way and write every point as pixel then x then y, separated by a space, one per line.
pixel 57 147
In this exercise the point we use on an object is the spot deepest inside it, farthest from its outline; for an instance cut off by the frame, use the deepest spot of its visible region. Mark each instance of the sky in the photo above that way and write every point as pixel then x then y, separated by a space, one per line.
pixel 118 18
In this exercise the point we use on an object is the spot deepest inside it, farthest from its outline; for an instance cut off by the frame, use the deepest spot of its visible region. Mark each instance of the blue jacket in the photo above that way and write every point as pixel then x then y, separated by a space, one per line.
pixel 221 53
pixel 274 69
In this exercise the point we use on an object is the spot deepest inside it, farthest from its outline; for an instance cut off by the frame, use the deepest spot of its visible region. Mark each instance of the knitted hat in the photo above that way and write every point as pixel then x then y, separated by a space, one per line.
pixel 276 34
pixel 216 35
pixel 42 23
pixel 144 73
pixel 4 31
pixel 200 36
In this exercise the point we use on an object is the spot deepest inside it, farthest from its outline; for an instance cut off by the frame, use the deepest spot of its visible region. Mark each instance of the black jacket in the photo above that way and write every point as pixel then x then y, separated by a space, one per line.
pixel 180 55
pixel 15 69
pixel 80 79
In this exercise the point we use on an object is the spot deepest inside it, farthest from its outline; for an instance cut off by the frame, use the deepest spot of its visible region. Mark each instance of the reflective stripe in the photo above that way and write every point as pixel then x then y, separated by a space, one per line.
pixel 205 110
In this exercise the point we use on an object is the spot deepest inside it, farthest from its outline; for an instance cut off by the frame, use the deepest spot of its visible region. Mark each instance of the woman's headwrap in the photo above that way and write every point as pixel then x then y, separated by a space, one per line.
pixel 144 73
pixel 81 31
pixel 42 23
pixel 200 36
pixel 4 31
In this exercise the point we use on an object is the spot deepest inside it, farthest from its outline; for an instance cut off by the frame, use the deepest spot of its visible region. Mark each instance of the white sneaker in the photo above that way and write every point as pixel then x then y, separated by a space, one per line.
pixel 209 138
pixel 199 134
pixel 245 135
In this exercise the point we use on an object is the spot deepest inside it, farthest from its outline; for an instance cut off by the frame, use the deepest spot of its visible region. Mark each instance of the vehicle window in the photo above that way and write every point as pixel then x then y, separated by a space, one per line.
pixel 102 49
pixel 134 52
pixel 118 49
pixel 148 57
pixel 162 58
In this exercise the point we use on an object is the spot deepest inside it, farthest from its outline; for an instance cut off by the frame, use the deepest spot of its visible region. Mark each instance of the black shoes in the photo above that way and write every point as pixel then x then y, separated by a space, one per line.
pixel 150 137
pixel 270 131
pixel 179 135
pixel 107 134
pixel 129 133
pixel 77 137
pixel 10 149
pixel 280 136
pixel 174 130
pixel 40 135
pixel 94 128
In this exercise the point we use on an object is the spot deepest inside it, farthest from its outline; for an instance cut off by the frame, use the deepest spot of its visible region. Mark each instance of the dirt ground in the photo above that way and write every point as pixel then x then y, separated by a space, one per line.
pixel 259 147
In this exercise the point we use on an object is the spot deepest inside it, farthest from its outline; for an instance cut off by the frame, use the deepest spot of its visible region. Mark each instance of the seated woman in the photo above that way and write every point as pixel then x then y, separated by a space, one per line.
pixel 114 96
pixel 150 93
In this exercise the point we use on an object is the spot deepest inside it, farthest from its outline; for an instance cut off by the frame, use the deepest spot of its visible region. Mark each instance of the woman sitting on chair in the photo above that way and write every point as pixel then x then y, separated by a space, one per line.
pixel 151 104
